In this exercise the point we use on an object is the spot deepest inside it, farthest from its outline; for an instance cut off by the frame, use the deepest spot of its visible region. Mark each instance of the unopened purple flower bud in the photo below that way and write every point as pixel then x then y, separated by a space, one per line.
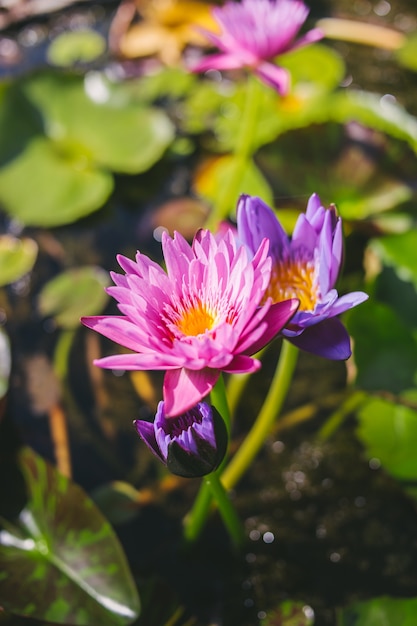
pixel 192 444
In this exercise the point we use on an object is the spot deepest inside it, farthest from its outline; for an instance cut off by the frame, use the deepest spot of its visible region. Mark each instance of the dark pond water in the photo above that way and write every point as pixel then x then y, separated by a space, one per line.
pixel 323 525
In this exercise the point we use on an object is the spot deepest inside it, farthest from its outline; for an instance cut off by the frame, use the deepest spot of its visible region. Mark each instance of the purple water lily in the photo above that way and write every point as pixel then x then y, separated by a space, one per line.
pixel 306 267
pixel 253 32
pixel 192 444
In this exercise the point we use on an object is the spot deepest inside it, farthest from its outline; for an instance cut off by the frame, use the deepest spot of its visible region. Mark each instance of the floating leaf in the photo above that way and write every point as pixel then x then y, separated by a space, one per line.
pixel 316 65
pixel 17 257
pixel 385 348
pixel 380 612
pixel 87 116
pixel 76 292
pixel 388 430
pixel 377 112
pixel 400 252
pixel 43 187
pixel 77 46
pixel 118 501
pixel 60 560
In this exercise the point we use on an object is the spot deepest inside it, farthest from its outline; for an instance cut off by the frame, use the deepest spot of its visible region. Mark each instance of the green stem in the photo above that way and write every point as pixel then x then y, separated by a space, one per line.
pixel 265 420
pixel 242 153
pixel 236 385
pixel 226 508
pixel 196 518
pixel 352 402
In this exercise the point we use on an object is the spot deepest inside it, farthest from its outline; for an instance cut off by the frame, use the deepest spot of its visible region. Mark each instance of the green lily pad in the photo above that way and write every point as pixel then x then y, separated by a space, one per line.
pixel 77 46
pixel 87 116
pixel 315 65
pixel 375 112
pixel 399 251
pixel 388 430
pixel 43 187
pixel 76 292
pixel 380 612
pixel 17 257
pixel 385 348
pixel 60 560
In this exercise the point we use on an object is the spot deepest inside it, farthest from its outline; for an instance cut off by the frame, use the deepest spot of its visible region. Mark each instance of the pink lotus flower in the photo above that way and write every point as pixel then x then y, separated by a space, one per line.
pixel 253 32
pixel 199 318
pixel 306 267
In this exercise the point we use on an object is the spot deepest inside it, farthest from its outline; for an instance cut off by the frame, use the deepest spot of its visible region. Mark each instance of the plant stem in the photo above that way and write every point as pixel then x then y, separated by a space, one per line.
pixel 195 520
pixel 236 385
pixel 226 508
pixel 352 402
pixel 242 153
pixel 265 420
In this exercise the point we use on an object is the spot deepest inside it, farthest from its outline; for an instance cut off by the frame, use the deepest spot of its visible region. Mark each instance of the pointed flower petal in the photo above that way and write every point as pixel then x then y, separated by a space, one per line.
pixel 304 267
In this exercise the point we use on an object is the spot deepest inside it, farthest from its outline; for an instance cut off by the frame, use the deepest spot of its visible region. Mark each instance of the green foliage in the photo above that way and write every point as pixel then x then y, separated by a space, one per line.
pixel 399 251
pixel 73 135
pixel 407 54
pixel 385 348
pixel 77 46
pixel 76 292
pixel 17 257
pixel 380 612
pixel 289 613
pixel 59 187
pixel 61 560
pixel 388 430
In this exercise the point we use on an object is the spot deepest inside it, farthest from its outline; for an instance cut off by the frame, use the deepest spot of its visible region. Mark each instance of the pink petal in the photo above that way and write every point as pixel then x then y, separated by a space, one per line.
pixel 276 77
pixel 183 388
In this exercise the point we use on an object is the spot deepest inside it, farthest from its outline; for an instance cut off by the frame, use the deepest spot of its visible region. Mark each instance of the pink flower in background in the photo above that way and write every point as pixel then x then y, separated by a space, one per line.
pixel 199 318
pixel 305 266
pixel 253 33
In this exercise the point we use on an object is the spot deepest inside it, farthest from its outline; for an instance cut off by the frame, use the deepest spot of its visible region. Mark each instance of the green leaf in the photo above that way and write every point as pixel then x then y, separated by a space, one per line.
pixel 60 560
pixel 77 46
pixel 407 54
pixel 385 348
pixel 290 613
pixel 375 112
pixel 380 612
pixel 90 118
pixel 76 292
pixel 399 251
pixel 20 121
pixel 17 257
pixel 43 187
pixel 314 66
pixel 388 430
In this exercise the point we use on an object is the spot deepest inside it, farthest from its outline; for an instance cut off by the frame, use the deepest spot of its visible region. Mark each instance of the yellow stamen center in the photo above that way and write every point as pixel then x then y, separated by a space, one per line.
pixel 294 279
pixel 196 320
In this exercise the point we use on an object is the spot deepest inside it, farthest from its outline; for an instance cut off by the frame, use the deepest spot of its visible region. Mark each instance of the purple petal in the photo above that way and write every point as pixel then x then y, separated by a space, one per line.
pixel 328 339
pixel 146 431
pixel 257 221
pixel 349 300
